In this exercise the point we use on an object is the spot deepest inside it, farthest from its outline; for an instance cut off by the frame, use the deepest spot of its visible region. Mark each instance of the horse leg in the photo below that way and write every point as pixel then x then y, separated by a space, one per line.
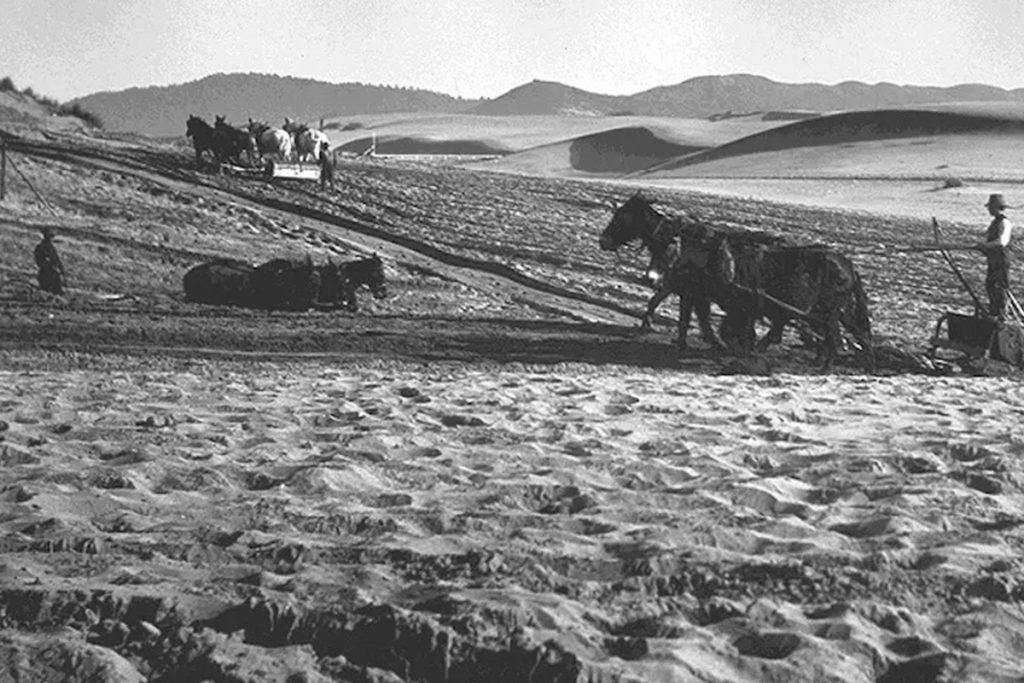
pixel 652 305
pixel 708 334
pixel 774 334
pixel 830 345
pixel 350 298
pixel 685 309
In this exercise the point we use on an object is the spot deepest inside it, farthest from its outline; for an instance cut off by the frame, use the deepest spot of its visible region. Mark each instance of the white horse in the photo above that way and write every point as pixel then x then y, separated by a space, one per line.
pixel 271 141
pixel 308 141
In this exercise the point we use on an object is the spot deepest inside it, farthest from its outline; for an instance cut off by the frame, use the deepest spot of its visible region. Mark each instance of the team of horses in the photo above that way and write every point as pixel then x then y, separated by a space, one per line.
pixel 285 285
pixel 226 143
pixel 751 276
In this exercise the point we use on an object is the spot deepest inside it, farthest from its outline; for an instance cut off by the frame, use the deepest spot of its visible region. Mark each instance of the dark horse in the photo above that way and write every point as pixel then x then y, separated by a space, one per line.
pixel 221 145
pixel 284 285
pixel 237 140
pixel 281 284
pixel 340 283
pixel 637 219
pixel 812 282
pixel 221 281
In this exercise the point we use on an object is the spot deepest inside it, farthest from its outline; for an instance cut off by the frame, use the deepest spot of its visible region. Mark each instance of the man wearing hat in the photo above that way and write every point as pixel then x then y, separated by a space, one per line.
pixel 51 270
pixel 995 247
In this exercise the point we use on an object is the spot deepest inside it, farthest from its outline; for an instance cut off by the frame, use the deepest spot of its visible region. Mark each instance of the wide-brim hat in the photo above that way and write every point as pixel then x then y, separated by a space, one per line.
pixel 997 201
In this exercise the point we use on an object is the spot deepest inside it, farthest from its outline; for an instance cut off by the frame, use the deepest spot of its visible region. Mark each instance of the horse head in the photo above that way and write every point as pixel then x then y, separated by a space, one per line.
pixel 292 126
pixel 195 125
pixel 635 219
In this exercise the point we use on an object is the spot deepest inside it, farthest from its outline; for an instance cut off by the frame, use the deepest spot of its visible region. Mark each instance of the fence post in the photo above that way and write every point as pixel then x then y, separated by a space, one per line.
pixel 3 168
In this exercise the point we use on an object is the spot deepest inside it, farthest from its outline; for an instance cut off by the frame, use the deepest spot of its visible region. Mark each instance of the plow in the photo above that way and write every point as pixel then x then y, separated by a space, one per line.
pixel 977 336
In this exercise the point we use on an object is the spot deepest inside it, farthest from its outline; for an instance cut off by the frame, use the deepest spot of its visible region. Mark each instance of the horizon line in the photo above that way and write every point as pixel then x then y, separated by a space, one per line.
pixel 541 80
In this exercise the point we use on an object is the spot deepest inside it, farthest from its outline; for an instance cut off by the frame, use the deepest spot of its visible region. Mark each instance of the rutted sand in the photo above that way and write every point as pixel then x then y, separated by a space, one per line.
pixel 675 525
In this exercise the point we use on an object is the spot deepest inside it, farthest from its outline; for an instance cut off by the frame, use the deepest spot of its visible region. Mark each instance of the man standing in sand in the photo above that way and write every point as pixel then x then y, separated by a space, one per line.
pixel 326 168
pixel 51 270
pixel 995 247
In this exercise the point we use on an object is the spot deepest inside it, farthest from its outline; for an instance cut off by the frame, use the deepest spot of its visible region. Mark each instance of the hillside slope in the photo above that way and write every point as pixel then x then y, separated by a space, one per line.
pixel 545 97
pixel 162 111
pixel 708 96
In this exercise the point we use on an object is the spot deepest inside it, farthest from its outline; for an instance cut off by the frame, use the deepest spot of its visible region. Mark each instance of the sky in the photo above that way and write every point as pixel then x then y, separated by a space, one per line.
pixel 483 48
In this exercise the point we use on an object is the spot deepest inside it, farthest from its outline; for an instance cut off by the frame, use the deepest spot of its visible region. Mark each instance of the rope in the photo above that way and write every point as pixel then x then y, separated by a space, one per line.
pixel 28 182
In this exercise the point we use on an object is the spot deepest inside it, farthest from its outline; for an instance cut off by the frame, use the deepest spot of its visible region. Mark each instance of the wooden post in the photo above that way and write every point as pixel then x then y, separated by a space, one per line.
pixel 3 168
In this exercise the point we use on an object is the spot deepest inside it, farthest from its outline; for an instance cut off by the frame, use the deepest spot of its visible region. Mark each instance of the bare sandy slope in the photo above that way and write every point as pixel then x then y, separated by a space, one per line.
pixel 897 162
pixel 520 133
pixel 487 475
pixel 543 145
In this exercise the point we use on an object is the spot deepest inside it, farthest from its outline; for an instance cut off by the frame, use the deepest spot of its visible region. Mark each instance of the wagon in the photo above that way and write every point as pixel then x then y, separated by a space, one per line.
pixel 977 338
pixel 293 171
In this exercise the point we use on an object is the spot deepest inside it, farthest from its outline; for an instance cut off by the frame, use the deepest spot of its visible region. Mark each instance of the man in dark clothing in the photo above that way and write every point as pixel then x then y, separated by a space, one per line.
pixel 995 247
pixel 51 270
pixel 326 167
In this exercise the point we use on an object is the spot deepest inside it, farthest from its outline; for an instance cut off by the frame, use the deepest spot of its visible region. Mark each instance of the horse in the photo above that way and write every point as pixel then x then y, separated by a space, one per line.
pixel 366 272
pixel 238 140
pixel 221 281
pixel 813 282
pixel 637 219
pixel 308 141
pixel 339 283
pixel 206 138
pixel 271 141
pixel 281 284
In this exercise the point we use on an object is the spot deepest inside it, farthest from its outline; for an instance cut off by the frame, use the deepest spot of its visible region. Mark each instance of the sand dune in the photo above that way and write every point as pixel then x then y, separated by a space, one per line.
pixel 624 149
pixel 390 144
pixel 613 152
pixel 849 139
pixel 547 145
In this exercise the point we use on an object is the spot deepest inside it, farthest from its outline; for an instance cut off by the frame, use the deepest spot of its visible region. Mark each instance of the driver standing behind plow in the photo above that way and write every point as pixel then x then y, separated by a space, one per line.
pixel 996 250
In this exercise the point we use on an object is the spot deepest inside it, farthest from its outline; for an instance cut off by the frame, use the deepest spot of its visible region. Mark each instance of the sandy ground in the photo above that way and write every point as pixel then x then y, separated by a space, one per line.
pixel 488 475
pixel 918 199
pixel 617 523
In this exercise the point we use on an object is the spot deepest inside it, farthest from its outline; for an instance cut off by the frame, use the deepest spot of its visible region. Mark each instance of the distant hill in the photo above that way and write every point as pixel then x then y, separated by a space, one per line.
pixel 162 111
pixel 708 96
pixel 545 98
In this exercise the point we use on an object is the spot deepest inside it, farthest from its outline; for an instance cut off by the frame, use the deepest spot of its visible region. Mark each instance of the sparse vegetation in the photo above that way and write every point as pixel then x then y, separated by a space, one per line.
pixel 55 107
pixel 75 109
